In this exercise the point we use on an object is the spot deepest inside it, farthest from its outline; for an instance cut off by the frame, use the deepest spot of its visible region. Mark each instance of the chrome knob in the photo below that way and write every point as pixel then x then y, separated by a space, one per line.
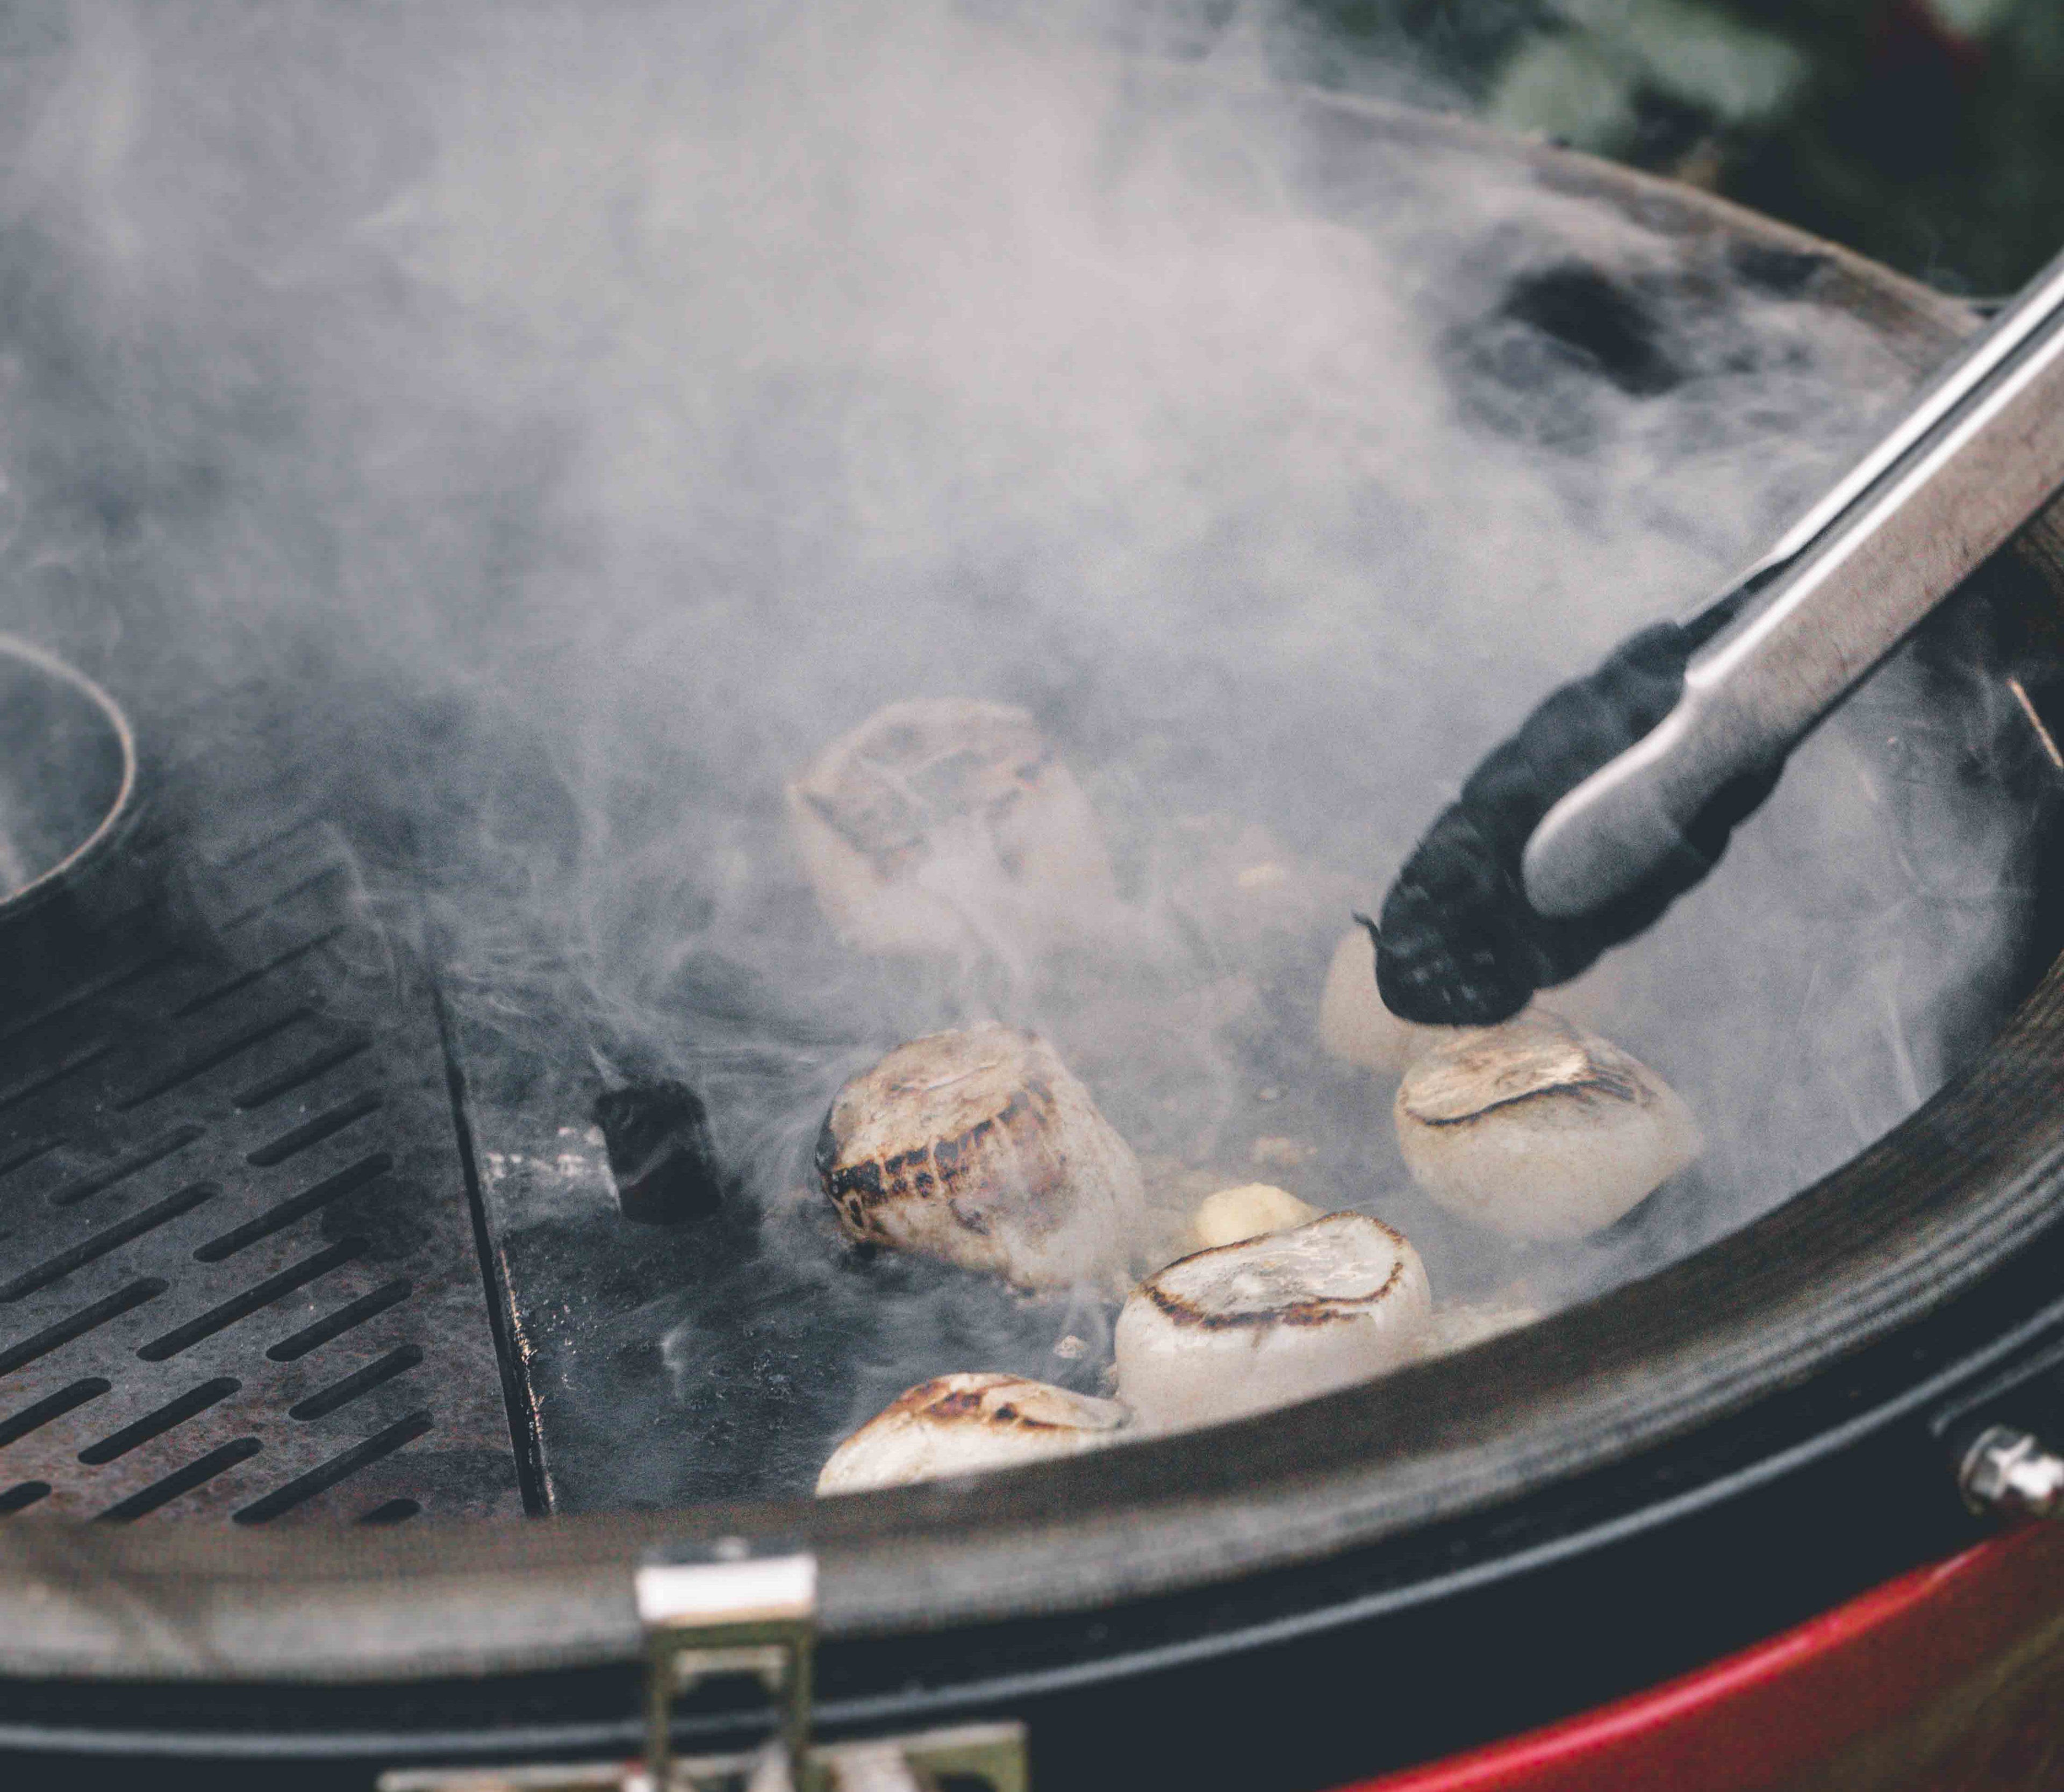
pixel 2012 1472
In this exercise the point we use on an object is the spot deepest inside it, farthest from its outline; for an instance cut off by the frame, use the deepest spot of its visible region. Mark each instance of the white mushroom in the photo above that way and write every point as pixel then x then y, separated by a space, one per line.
pixel 980 1147
pixel 1247 1212
pixel 946 825
pixel 1248 1326
pixel 1538 1130
pixel 964 1424
pixel 1353 1023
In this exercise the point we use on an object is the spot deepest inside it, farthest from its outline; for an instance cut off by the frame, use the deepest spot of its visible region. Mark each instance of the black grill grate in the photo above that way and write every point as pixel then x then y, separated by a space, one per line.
pixel 238 1273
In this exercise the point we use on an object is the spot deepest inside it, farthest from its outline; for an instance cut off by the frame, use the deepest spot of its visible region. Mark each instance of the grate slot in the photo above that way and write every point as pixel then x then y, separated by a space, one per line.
pixel 250 849
pixel 110 1238
pixel 242 1306
pixel 27 1154
pixel 201 1062
pixel 345 1319
pixel 314 880
pixel 325 1475
pixel 284 1214
pixel 128 972
pixel 157 1423
pixel 77 1325
pixel 156 1152
pixel 329 1058
pixel 391 1512
pixel 89 1053
pixel 220 992
pixel 181 1480
pixel 315 1131
pixel 326 1400
pixel 54 1406
pixel 23 1493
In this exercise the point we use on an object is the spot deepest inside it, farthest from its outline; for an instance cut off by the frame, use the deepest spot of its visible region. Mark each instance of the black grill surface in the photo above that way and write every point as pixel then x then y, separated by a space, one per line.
pixel 238 1275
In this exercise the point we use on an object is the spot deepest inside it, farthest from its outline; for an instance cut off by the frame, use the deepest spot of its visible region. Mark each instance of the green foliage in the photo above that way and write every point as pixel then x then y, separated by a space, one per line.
pixel 1929 133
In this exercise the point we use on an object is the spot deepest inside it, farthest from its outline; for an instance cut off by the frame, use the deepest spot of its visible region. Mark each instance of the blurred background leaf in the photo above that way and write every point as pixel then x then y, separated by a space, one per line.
pixel 1928 133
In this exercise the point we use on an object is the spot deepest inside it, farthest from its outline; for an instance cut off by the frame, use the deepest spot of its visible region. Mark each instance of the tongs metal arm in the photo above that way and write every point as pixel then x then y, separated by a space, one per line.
pixel 1977 454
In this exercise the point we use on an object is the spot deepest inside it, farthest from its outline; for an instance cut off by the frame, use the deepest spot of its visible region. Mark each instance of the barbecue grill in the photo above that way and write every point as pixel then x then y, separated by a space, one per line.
pixel 265 1314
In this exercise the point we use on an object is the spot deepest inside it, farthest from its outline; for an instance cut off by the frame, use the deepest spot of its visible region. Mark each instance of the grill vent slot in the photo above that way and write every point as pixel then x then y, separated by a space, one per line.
pixel 77 1325
pixel 241 1306
pixel 338 1469
pixel 52 1405
pixel 156 1424
pixel 163 1492
pixel 362 1381
pixel 313 1132
pixel 271 1089
pixel 102 1243
pixel 277 1218
pixel 123 1169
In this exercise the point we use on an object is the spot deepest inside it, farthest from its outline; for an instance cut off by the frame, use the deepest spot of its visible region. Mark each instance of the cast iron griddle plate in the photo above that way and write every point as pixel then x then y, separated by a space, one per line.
pixel 663 1367
pixel 237 1270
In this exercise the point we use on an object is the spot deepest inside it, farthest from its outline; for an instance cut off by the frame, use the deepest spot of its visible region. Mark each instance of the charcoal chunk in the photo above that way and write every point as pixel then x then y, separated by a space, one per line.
pixel 660 1158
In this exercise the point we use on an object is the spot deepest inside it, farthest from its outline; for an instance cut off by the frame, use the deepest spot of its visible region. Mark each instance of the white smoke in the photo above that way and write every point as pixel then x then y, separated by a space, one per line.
pixel 555 423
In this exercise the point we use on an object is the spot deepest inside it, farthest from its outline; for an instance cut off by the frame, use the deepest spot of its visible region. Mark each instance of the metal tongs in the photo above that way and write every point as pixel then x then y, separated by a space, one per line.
pixel 1978 453
pixel 1618 792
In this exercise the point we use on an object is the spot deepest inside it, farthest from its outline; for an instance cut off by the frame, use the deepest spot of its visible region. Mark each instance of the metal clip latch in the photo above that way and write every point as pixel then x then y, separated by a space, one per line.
pixel 729 1608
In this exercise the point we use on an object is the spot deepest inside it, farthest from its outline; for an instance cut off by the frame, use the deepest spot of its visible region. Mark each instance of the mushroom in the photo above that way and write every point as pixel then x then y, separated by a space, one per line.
pixel 1539 1130
pixel 947 825
pixel 978 1146
pixel 964 1424
pixel 1353 1023
pixel 1244 1328
pixel 1247 1212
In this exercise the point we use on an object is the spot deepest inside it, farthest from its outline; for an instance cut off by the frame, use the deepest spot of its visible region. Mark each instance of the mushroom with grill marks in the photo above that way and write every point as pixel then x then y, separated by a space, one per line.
pixel 946 825
pixel 965 1424
pixel 1539 1130
pixel 980 1147
pixel 1245 1327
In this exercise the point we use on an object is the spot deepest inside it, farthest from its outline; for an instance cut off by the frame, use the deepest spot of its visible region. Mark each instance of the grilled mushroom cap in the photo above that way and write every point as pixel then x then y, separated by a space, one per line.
pixel 1248 1326
pixel 1539 1130
pixel 946 825
pixel 963 1424
pixel 980 1147
pixel 1353 1023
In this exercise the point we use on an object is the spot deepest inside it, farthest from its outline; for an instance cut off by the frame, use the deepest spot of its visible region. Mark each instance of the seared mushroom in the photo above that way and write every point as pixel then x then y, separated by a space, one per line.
pixel 946 825
pixel 1248 1211
pixel 978 1146
pixel 1248 1326
pixel 1539 1130
pixel 1353 1023
pixel 963 1424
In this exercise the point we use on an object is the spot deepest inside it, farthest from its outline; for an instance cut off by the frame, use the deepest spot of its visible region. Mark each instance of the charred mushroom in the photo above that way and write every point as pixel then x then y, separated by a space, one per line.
pixel 1539 1130
pixel 964 1424
pixel 946 825
pixel 1249 1326
pixel 978 1146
